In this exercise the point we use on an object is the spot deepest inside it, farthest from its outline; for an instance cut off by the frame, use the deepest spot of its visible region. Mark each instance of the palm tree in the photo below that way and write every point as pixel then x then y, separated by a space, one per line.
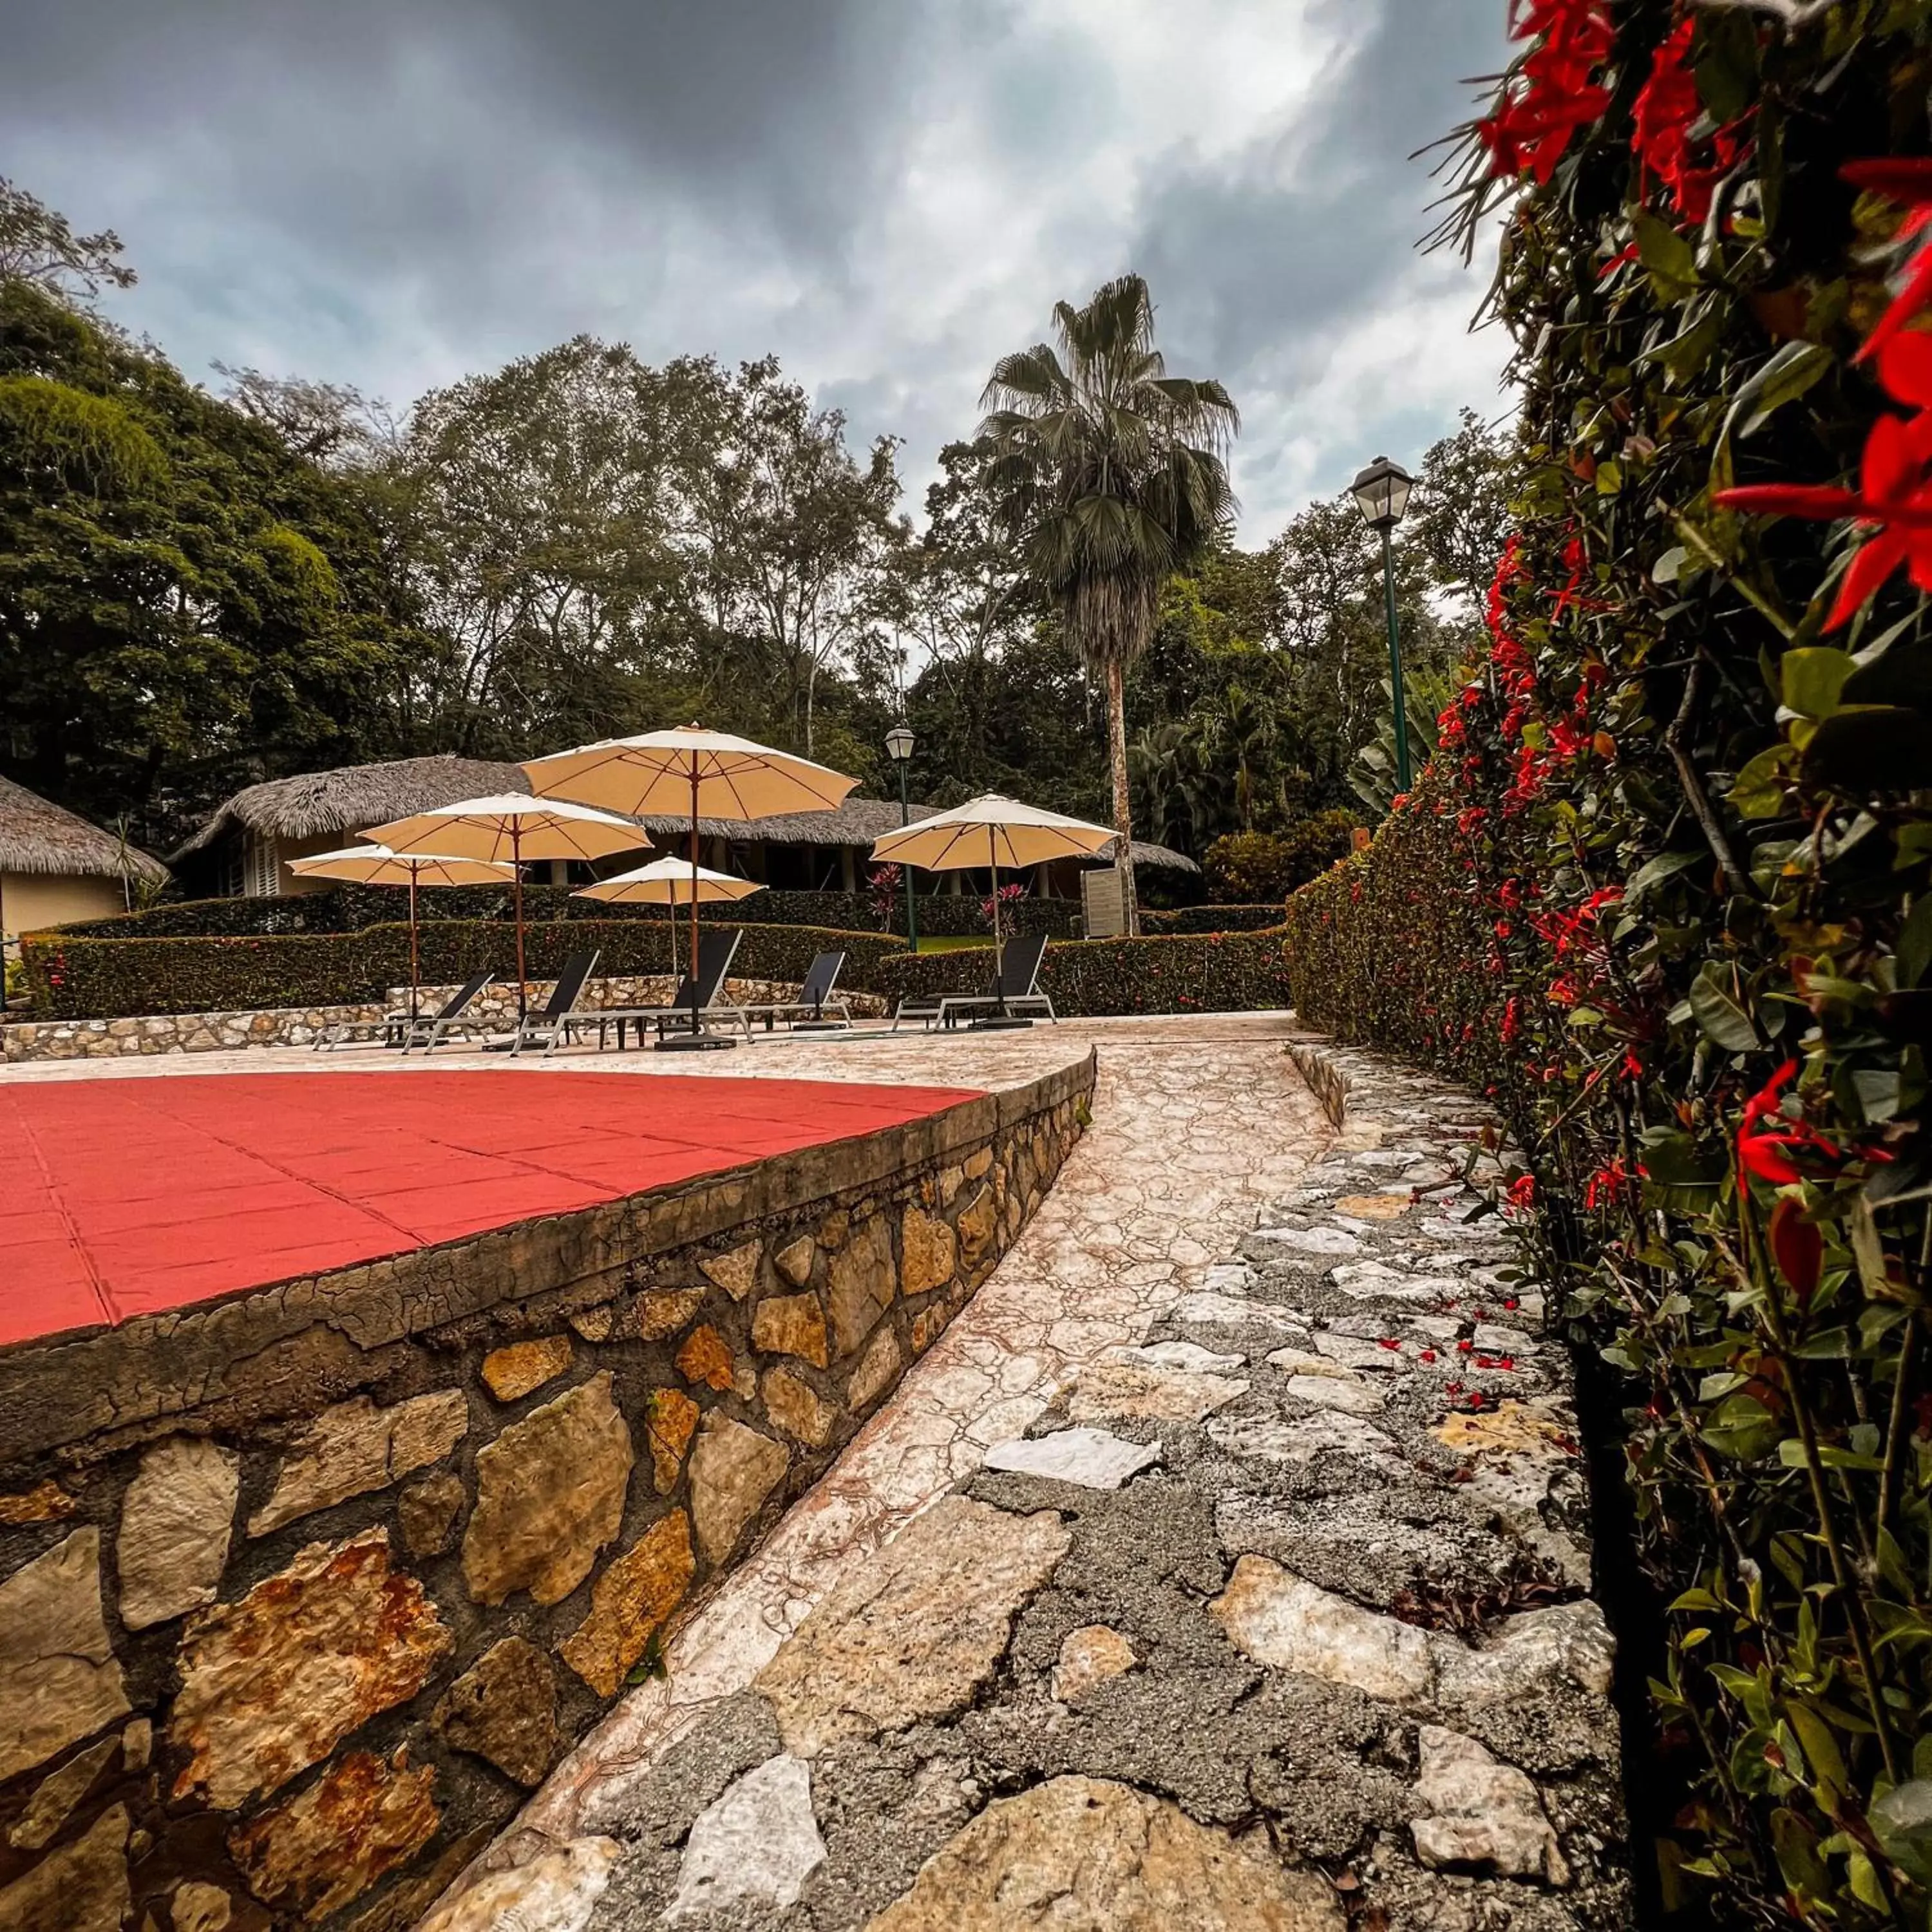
pixel 1114 476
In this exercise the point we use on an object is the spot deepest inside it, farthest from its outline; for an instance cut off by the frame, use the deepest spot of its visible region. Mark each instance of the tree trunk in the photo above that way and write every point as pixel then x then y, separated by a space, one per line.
pixel 1124 809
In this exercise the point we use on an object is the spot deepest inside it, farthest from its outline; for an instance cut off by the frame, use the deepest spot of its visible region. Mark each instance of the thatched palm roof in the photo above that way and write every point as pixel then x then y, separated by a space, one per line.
pixel 355 797
pixel 37 836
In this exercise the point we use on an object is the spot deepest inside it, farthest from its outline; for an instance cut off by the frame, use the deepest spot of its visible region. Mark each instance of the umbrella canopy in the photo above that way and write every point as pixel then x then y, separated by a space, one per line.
pixel 377 865
pixel 512 826
pixel 706 774
pixel 991 830
pixel 668 882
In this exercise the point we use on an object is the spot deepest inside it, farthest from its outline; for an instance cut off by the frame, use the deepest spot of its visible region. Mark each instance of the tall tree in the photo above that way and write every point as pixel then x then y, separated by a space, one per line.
pixel 37 244
pixel 1116 476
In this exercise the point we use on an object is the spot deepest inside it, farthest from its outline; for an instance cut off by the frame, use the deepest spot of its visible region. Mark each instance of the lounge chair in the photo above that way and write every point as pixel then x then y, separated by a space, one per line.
pixel 813 1002
pixel 402 1029
pixel 558 1017
pixel 716 951
pixel 1013 990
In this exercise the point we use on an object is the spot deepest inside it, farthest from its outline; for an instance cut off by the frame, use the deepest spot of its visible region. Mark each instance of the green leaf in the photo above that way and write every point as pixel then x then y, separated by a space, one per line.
pixel 1812 677
pixel 1902 1821
pixel 1915 942
pixel 1758 791
pixel 1667 257
pixel 1654 871
pixel 1871 748
pixel 1717 1014
pixel 1782 379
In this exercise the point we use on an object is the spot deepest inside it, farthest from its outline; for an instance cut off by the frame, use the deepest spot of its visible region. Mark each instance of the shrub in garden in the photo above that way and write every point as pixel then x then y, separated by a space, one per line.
pixel 1667 890
pixel 1245 868
pixel 1211 918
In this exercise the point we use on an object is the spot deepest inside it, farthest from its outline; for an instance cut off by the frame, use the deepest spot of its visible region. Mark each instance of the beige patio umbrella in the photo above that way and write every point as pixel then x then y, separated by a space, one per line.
pixel 509 828
pixel 689 770
pixel 377 865
pixel 991 831
pixel 669 882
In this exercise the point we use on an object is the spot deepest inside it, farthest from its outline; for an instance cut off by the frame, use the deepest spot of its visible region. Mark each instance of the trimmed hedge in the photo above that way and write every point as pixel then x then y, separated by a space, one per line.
pixel 100 979
pixel 353 908
pixel 1213 919
pixel 1236 972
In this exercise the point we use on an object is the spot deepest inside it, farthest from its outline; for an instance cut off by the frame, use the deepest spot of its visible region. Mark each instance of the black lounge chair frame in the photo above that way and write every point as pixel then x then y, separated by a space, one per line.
pixel 716 951
pixel 1014 992
pixel 813 1002
pixel 559 1017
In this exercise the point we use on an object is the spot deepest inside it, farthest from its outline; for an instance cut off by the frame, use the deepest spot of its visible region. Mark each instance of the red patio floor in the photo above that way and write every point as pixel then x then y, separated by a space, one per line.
pixel 125 1197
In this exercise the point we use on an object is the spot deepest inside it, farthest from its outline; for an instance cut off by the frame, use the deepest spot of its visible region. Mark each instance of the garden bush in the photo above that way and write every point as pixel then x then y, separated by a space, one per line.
pixel 1212 918
pixel 1245 868
pixel 1666 893
pixel 1235 972
pixel 94 979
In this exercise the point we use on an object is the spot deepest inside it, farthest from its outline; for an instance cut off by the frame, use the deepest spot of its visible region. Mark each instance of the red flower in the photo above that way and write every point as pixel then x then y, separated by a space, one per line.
pixel 1662 114
pixel 1521 1194
pixel 1536 118
pixel 1893 496
pixel 1766 1151
pixel 1908 183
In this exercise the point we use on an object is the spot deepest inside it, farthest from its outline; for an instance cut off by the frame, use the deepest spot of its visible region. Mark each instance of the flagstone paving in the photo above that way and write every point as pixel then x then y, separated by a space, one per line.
pixel 1272 1614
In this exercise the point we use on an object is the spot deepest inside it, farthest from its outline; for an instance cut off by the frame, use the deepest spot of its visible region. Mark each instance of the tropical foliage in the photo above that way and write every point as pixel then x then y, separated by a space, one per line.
pixel 1665 891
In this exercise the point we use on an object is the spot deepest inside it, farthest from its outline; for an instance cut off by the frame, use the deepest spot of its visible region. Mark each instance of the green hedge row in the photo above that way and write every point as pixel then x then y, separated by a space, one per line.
pixel 1213 919
pixel 352 908
pixel 94 979
pixel 1236 972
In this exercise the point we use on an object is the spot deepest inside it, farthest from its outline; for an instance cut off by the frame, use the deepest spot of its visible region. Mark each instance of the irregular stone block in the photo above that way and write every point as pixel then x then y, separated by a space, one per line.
pixel 1263 1438
pixel 1088 1656
pixel 978 1162
pixel 707 1358
pixel 1141 1392
pixel 860 1283
pixel 913 1631
pixel 636 1593
pixel 1283 1621
pixel 664 1314
pixel 732 1470
pixel 354 1448
pixel 1189 1355
pixel 877 1369
pixel 1226 1311
pixel 1511 1428
pixel 1087 1852
pixel 59 1680
pixel 428 1511
pixel 927 1326
pixel 1480 1812
pixel 791 1325
pixel 758 1843
pixel 554 1891
pixel 798 1408
pixel 1341 1392
pixel 927 1251
pixel 272 1683
pixel 329 1844
pixel 510 1373
pixel 176 1519
pixel 977 1220
pixel 503 1710
pixel 1527 1652
pixel 81 1887
pixel 53 1803
pixel 550 1494
pixel 196 1907
pixel 595 1325
pixel 45 1502
pixel 669 1418
pixel 736 1271
pixel 1091 1457
pixel 793 1260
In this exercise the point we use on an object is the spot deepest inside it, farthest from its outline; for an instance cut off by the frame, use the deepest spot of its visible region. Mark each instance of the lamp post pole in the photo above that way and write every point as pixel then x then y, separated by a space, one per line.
pixel 1401 697
pixel 898 747
pixel 1381 494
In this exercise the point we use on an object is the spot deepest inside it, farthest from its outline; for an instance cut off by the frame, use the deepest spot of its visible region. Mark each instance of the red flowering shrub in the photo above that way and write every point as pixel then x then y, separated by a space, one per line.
pixel 1665 890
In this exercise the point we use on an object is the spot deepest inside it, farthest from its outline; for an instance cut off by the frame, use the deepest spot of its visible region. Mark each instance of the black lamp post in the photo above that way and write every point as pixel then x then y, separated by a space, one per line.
pixel 898 748
pixel 1381 494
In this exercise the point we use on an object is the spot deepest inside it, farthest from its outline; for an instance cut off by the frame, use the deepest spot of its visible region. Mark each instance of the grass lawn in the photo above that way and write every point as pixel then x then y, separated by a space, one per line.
pixel 954 942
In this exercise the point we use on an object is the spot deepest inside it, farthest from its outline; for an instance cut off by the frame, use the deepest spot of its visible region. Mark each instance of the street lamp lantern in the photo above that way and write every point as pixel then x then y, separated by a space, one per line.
pixel 898 748
pixel 1381 494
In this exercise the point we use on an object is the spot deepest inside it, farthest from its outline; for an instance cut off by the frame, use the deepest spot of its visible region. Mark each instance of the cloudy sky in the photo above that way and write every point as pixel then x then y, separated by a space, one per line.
pixel 887 193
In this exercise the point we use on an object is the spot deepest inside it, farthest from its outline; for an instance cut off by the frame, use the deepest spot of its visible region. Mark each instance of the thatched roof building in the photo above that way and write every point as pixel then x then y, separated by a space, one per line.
pixel 247 842
pixel 55 867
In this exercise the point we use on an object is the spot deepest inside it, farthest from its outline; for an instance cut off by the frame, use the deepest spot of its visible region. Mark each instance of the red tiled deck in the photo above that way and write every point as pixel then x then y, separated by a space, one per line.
pixel 131 1197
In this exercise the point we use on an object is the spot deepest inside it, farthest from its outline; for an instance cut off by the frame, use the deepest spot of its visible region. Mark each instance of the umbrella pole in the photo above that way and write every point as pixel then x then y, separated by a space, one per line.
pixel 694 895
pixel 415 969
pixel 999 975
pixel 517 892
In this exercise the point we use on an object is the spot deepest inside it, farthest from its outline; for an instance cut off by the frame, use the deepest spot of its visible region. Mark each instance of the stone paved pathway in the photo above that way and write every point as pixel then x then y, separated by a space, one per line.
pixel 1197 1123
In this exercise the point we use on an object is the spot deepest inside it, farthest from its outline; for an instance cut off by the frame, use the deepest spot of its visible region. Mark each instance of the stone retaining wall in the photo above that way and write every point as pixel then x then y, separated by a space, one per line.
pixel 298 1026
pixel 300 1592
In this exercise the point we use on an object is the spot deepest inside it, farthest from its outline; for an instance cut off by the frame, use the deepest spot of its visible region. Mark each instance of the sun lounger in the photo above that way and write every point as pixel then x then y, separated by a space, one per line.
pixel 400 1029
pixel 1013 991
pixel 558 1017
pixel 716 951
pixel 813 1002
